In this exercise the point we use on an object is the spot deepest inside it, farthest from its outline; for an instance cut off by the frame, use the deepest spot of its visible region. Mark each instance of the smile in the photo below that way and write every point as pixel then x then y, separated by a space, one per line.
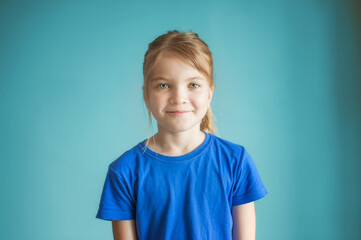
pixel 178 112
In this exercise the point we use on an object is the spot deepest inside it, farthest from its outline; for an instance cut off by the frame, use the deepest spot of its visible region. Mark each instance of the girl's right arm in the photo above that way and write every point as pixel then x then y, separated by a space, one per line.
pixel 124 230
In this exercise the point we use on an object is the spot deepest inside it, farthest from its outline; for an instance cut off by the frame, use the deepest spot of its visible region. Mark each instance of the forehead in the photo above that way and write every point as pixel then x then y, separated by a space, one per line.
pixel 171 66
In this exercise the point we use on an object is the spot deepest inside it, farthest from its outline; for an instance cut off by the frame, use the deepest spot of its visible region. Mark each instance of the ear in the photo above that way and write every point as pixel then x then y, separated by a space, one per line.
pixel 145 98
pixel 210 95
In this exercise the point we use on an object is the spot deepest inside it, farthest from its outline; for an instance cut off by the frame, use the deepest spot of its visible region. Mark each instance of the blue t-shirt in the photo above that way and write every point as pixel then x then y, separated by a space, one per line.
pixel 181 197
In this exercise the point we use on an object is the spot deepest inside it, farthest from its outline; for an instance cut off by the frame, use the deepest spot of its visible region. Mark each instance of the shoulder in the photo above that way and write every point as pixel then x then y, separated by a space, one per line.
pixel 227 146
pixel 127 160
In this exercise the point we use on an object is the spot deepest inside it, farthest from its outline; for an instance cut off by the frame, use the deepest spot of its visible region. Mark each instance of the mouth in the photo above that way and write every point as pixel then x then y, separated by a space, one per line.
pixel 178 112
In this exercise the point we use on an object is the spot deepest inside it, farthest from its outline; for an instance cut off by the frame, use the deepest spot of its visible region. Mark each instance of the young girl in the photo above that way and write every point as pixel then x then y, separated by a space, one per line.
pixel 184 182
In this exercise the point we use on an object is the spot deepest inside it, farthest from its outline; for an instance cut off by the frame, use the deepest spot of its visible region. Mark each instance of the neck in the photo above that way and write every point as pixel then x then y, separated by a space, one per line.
pixel 176 143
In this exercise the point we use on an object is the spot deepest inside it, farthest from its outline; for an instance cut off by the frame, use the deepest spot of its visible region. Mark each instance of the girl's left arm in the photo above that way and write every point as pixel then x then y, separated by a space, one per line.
pixel 244 222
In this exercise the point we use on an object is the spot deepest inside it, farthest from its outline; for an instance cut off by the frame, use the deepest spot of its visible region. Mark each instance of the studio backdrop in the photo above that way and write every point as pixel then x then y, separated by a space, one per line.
pixel 288 88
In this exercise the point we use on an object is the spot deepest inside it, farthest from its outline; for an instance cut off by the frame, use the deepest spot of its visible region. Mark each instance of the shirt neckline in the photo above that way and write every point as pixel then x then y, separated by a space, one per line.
pixel 176 159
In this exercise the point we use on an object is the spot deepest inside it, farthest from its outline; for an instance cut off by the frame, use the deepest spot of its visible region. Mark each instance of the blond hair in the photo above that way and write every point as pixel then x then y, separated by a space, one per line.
pixel 193 51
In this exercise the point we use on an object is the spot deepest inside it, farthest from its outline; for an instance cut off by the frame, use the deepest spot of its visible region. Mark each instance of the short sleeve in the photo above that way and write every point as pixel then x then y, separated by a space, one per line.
pixel 116 201
pixel 248 185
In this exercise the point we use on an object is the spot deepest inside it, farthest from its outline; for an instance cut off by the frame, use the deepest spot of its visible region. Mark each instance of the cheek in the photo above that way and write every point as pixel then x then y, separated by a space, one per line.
pixel 156 101
pixel 201 100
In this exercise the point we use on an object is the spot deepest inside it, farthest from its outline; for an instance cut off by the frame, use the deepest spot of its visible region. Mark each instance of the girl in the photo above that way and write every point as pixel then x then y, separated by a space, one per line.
pixel 184 182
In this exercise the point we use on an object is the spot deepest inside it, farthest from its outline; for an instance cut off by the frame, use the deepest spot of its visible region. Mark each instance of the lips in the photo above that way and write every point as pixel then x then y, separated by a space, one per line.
pixel 178 112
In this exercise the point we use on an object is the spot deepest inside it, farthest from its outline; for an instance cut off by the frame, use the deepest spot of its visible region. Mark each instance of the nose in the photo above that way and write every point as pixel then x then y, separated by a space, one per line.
pixel 178 101
pixel 178 96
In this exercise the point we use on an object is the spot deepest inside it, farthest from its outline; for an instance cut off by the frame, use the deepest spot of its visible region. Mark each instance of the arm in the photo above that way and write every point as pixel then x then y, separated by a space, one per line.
pixel 244 222
pixel 124 230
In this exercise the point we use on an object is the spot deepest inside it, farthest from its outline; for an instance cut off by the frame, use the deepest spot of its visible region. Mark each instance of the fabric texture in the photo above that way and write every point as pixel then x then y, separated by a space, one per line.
pixel 183 197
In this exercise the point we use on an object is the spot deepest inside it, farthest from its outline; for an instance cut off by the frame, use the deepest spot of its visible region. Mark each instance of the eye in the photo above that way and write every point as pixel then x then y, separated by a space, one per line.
pixel 163 86
pixel 194 85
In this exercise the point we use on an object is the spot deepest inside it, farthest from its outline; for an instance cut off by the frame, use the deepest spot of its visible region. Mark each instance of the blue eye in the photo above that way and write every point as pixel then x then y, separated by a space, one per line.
pixel 195 85
pixel 161 86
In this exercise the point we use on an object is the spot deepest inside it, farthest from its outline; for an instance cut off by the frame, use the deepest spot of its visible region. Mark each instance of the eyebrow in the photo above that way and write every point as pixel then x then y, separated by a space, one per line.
pixel 162 78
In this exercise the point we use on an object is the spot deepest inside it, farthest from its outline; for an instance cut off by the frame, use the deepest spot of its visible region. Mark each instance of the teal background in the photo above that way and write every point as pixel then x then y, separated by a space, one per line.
pixel 288 88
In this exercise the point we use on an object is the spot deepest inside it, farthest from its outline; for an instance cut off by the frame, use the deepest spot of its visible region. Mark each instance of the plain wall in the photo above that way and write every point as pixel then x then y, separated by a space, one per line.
pixel 288 88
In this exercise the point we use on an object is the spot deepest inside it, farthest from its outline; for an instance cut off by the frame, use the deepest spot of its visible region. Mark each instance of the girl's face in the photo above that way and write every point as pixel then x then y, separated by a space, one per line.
pixel 179 95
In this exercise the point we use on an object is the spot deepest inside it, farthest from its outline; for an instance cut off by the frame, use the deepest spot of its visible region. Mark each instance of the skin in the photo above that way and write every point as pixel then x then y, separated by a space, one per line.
pixel 177 86
pixel 244 222
pixel 124 230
